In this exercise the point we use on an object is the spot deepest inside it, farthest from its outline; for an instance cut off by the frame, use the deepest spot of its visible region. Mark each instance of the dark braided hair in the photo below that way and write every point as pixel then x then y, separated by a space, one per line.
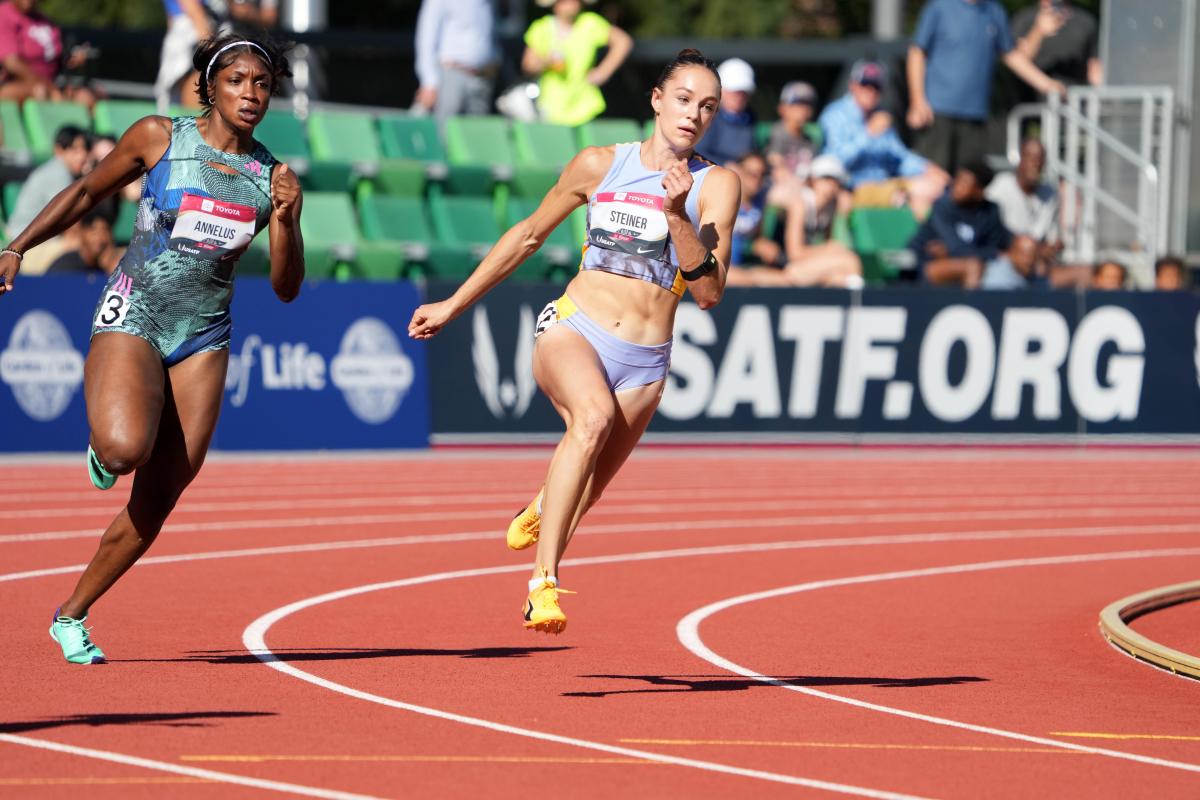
pixel 276 60
pixel 689 57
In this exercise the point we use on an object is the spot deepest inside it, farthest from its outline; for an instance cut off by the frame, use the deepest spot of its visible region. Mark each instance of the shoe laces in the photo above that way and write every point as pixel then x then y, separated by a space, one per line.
pixel 77 627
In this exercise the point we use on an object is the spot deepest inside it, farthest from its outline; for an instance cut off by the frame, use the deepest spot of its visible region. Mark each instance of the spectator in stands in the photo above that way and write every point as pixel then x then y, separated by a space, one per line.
pixel 815 258
pixel 950 66
pixel 101 147
pixel 71 148
pixel 1015 269
pixel 790 148
pixel 254 14
pixel 31 56
pixel 1109 275
pixel 963 232
pixel 456 57
pixel 86 244
pixel 1062 41
pixel 755 259
pixel 1029 205
pixel 188 22
pixel 731 134
pixel 1171 274
pixel 882 171
pixel 560 50
pixel 810 257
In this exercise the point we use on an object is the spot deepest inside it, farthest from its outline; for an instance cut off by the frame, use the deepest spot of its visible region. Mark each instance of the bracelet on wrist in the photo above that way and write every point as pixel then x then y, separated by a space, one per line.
pixel 700 270
pixel 20 256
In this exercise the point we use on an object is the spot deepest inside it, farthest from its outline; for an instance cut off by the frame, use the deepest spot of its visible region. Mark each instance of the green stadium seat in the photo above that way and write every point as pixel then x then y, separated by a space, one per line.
pixel 816 135
pixel 401 177
pixel 411 146
pixel 762 133
pixel 284 135
pixel 543 143
pixel 465 222
pixel 177 110
pixel 44 118
pixel 11 190
pixel 330 232
pixel 533 181
pixel 402 221
pixel 601 132
pixel 113 117
pixel 881 237
pixel 411 138
pixel 344 136
pixel 481 140
pixel 15 149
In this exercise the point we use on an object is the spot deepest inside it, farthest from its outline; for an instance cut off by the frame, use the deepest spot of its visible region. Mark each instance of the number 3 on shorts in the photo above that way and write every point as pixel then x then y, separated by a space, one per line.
pixel 112 310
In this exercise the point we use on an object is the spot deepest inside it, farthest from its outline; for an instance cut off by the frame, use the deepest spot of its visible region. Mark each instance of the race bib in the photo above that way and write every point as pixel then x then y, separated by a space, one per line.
pixel 113 310
pixel 629 222
pixel 211 229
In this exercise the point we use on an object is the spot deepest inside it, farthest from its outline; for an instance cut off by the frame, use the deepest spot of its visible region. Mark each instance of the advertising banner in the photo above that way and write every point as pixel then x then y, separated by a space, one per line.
pixel 333 369
pixel 892 361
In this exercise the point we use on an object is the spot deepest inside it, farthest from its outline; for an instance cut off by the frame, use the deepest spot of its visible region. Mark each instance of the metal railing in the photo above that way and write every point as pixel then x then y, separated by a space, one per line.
pixel 1093 165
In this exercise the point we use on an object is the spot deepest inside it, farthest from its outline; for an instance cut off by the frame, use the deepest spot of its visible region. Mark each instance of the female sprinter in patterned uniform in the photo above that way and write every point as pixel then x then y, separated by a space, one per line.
pixel 660 219
pixel 155 371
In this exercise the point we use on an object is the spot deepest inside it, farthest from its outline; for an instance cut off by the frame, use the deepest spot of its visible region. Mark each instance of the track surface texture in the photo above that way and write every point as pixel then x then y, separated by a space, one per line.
pixel 747 623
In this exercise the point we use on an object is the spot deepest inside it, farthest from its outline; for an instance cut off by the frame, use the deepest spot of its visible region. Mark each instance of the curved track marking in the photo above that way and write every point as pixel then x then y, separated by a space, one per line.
pixel 254 639
pixel 688 631
pixel 193 772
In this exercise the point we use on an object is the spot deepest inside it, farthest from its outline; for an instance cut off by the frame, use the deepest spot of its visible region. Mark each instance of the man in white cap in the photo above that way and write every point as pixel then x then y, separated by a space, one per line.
pixel 731 134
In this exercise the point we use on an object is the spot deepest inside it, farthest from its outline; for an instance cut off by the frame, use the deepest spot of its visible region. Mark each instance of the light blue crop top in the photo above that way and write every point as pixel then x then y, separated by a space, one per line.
pixel 627 229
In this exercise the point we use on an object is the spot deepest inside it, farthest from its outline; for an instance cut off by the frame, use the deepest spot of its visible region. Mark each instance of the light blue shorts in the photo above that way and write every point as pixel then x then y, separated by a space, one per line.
pixel 626 365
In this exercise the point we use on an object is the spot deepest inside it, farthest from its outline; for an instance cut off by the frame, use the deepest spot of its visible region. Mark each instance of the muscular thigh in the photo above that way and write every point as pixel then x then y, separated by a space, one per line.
pixel 569 371
pixel 123 384
pixel 193 404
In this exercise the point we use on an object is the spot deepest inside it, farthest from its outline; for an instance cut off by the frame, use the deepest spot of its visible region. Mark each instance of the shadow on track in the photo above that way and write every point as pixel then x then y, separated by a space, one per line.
pixel 344 654
pixel 181 719
pixel 736 683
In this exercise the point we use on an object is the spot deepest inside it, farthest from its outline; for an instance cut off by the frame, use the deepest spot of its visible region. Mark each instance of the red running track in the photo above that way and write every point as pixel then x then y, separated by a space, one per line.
pixel 878 624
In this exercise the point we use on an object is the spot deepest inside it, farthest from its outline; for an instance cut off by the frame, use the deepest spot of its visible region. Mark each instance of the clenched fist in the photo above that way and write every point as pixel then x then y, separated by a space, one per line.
pixel 285 195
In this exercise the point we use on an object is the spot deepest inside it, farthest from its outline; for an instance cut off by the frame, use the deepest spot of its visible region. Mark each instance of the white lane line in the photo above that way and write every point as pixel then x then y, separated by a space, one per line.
pixel 767 486
pixel 938 537
pixel 194 772
pixel 625 503
pixel 688 632
pixel 254 639
pixel 740 522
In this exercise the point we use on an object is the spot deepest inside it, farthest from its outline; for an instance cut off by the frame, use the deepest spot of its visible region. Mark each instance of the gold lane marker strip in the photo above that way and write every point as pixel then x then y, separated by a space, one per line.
pixel 857 746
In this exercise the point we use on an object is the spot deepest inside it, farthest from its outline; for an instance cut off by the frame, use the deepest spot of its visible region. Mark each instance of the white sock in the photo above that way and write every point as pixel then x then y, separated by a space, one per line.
pixel 535 583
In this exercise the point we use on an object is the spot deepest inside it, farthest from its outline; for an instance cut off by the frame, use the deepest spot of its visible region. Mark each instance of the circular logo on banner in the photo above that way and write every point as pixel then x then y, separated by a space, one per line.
pixel 372 371
pixel 41 366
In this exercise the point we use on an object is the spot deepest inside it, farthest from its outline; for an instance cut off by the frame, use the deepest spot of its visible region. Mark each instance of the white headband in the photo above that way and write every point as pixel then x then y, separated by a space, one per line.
pixel 216 55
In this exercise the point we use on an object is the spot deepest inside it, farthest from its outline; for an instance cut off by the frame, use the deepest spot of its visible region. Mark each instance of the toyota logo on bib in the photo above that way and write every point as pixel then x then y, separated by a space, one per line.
pixel 41 366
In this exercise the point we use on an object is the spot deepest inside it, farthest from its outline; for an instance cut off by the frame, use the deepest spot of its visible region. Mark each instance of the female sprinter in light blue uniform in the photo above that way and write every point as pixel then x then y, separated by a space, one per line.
pixel 155 371
pixel 660 220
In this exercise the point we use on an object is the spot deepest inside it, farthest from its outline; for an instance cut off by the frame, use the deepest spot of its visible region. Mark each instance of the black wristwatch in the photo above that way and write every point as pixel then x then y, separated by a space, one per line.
pixel 703 268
